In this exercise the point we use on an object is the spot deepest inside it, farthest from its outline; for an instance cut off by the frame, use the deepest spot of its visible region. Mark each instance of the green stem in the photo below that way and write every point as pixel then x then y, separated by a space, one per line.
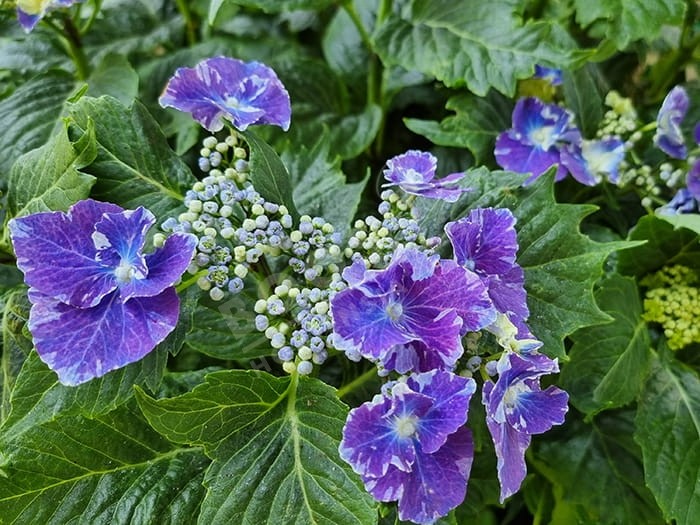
pixel 75 48
pixel 190 26
pixel 383 11
pixel 357 382
pixel 184 285
pixel 93 16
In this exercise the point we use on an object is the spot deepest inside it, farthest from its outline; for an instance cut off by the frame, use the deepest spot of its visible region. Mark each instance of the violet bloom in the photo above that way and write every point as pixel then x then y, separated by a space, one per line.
pixel 98 303
pixel 486 243
pixel 669 136
pixel 409 444
pixel 220 88
pixel 416 302
pixel 591 159
pixel 414 172
pixel 30 12
pixel 534 142
pixel 550 74
pixel 517 408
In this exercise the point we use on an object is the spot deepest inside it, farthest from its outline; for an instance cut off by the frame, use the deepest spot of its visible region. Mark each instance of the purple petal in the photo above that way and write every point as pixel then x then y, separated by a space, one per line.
pixel 511 154
pixel 591 159
pixel 682 202
pixel 451 394
pixel 27 21
pixel 692 180
pixel 165 266
pixel 57 256
pixel 416 356
pixel 538 411
pixel 696 133
pixel 411 167
pixel 436 484
pixel 508 294
pixel 669 136
pixel 244 93
pixel 80 344
pixel 119 239
pixel 550 74
pixel 510 448
pixel 485 241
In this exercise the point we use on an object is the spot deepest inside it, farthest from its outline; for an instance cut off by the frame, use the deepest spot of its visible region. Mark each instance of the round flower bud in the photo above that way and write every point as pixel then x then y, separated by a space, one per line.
pixel 304 368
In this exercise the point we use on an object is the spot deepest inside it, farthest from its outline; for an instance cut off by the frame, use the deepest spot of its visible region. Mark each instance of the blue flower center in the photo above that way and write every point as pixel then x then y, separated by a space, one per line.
pixel 394 311
pixel 406 426
pixel 543 137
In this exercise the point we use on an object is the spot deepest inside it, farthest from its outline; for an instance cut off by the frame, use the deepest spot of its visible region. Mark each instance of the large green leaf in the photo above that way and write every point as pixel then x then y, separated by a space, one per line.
pixel 16 344
pixel 561 264
pixel 625 21
pixel 109 470
pixel 342 43
pixel 268 174
pixel 48 179
pixel 278 6
pixel 319 185
pixel 584 90
pixel 134 164
pixel 473 43
pixel 664 246
pixel 30 114
pixel 274 442
pixel 668 430
pixel 35 53
pixel 596 468
pixel 609 362
pixel 114 76
pixel 477 123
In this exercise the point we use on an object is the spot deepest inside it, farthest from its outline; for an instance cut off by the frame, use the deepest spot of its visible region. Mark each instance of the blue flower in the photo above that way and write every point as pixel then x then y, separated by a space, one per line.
pixel 29 12
pixel 589 160
pixel 98 303
pixel 219 88
pixel 410 444
pixel 550 74
pixel 517 408
pixel 414 303
pixel 534 142
pixel 486 243
pixel 669 136
pixel 414 172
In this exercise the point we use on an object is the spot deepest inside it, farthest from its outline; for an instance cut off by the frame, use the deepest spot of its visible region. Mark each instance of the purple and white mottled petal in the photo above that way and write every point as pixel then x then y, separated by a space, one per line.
pixel 355 273
pixel 696 133
pixel 30 12
pixel 421 265
pixel 244 93
pixel 119 239
pixel 692 180
pixel 411 167
pixel 451 394
pixel 589 161
pixel 682 202
pixel 669 136
pixel 485 241
pixel 436 484
pixel 511 154
pixel 537 411
pixel 508 294
pixel 165 266
pixel 57 256
pixel 80 344
pixel 510 448
pixel 380 434
pixel 416 356
pixel 550 74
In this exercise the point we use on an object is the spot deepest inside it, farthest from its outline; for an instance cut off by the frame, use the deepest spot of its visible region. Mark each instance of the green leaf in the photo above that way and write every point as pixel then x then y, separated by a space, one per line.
pixel 342 44
pixel 134 164
pixel 668 430
pixel 274 442
pixel 280 6
pixel 29 116
pixel 319 185
pixel 38 397
pixel 267 173
pixel 477 123
pixel 584 90
pixel 16 343
pixel 665 246
pixel 114 76
pixel 48 179
pixel 561 264
pixel 110 470
pixel 597 468
pixel 609 362
pixel 625 21
pixel 459 43
pixel 689 221
pixel 35 53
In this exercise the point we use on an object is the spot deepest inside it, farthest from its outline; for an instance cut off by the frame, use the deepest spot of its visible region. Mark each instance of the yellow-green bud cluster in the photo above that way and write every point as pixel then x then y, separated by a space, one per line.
pixel 673 301
pixel 620 119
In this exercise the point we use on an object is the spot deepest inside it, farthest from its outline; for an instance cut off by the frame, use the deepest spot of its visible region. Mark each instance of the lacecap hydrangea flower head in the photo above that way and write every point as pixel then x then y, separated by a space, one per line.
pixel 223 88
pixel 30 12
pixel 98 303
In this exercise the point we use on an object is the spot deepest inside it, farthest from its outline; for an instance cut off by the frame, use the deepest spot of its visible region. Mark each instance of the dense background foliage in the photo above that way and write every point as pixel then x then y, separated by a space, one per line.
pixel 368 79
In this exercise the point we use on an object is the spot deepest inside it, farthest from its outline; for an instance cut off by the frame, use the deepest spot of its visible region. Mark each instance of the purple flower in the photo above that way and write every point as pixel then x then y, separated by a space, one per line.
pixel 414 172
pixel 669 137
pixel 534 142
pixel 29 12
pixel 416 302
pixel 486 243
pixel 550 74
pixel 219 88
pixel 516 408
pixel 410 445
pixel 98 303
pixel 590 159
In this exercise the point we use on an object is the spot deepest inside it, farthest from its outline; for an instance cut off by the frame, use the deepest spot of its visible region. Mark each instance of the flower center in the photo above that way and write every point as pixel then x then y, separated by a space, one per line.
pixel 411 175
pixel 406 426
pixel 125 272
pixel 510 398
pixel 394 311
pixel 543 137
